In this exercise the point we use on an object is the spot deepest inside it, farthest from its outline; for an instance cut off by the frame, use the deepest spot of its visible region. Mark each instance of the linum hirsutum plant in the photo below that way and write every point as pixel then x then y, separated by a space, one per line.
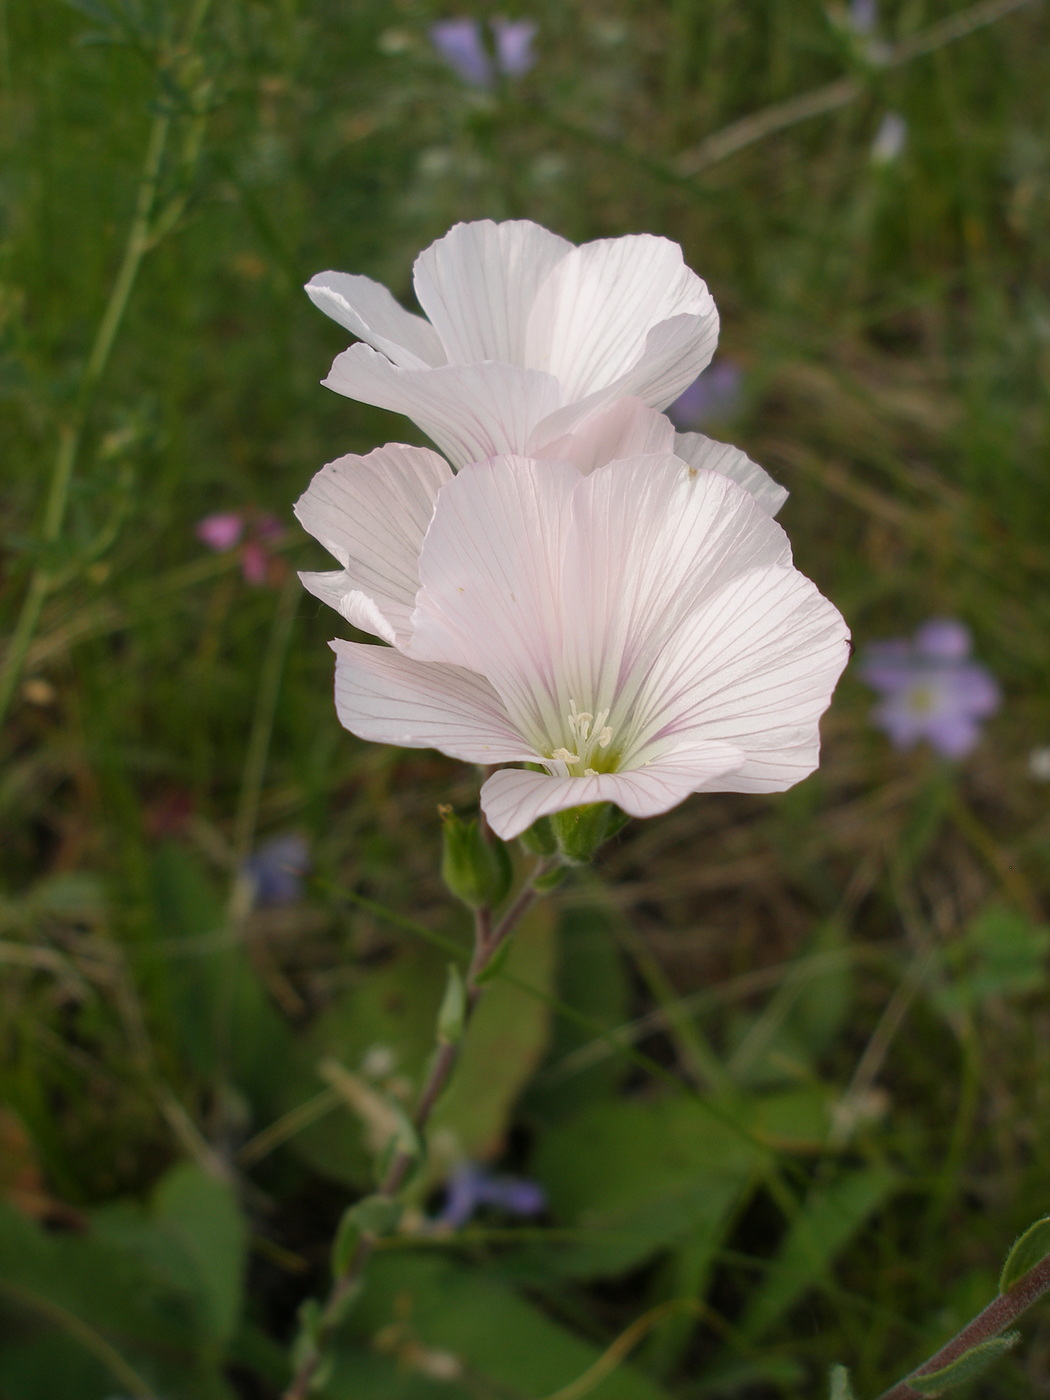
pixel 601 612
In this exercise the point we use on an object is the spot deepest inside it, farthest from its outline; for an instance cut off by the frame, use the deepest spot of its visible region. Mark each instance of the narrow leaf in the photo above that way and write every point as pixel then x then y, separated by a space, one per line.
pixel 453 1011
pixel 1029 1249
pixel 972 1363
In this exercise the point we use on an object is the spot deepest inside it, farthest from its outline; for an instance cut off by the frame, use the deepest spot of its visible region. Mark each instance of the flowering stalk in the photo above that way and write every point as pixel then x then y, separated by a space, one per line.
pixel 488 939
pixel 984 1328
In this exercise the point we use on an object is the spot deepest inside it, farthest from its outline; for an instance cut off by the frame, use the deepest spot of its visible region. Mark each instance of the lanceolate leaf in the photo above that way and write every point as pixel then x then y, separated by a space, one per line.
pixel 1029 1249
pixel 969 1365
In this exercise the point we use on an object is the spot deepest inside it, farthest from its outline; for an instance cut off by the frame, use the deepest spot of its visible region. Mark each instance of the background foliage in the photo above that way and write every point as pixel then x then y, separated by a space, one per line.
pixel 823 1113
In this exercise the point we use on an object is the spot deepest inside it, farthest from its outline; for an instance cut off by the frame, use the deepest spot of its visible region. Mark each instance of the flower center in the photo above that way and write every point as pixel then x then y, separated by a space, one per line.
pixel 588 750
pixel 922 699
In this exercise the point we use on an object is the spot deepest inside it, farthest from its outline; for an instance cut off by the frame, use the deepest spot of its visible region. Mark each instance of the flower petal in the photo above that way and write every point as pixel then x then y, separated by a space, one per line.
pixel 371 513
pixel 478 284
pixel 625 428
pixel 594 312
pixel 368 310
pixel 514 798
pixel 471 411
pixel 387 698
pixel 754 667
pixel 706 453
pixel 490 571
pixel 652 540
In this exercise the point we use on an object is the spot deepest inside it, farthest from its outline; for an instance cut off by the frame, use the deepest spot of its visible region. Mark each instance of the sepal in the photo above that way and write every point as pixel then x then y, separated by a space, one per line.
pixel 476 871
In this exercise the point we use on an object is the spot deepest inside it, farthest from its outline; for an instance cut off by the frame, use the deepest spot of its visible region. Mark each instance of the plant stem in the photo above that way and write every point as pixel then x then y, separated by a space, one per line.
pixel 141 238
pixel 996 1317
pixel 487 939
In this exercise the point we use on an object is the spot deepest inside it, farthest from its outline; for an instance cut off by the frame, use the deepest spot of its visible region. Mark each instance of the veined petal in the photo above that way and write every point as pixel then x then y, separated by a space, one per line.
pixel 754 666
pixel 387 698
pixel 514 798
pixel 651 540
pixel 370 312
pixel 471 411
pixel 625 428
pixel 478 283
pixel 338 591
pixel 594 312
pixel 372 513
pixel 490 574
pixel 706 453
pixel 675 352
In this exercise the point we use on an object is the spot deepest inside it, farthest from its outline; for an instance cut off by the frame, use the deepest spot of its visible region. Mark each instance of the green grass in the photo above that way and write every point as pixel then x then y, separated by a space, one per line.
pixel 894 325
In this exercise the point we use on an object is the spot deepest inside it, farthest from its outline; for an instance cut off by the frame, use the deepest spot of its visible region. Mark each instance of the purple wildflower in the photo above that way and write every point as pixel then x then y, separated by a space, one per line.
pixel 276 869
pixel 471 1186
pixel 255 533
pixel 715 394
pixel 930 688
pixel 222 531
pixel 461 43
pixel 863 16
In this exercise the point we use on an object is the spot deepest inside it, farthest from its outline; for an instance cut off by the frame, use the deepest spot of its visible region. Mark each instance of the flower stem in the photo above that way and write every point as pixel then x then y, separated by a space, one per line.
pixel 996 1317
pixel 487 939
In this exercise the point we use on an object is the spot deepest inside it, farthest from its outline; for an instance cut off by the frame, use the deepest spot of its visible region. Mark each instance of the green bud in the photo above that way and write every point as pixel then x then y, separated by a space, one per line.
pixel 476 871
pixel 453 1011
pixel 539 839
pixel 581 830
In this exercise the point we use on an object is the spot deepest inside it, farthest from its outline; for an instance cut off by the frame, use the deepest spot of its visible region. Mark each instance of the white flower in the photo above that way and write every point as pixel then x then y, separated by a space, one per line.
pixel 638 633
pixel 526 334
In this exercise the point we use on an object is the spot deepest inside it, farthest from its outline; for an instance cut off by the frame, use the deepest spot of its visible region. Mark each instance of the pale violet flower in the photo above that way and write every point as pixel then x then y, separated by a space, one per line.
pixel 276 869
pixel 930 688
pixel 526 334
pixel 471 1186
pixel 863 16
pixel 636 633
pixel 715 394
pixel 461 43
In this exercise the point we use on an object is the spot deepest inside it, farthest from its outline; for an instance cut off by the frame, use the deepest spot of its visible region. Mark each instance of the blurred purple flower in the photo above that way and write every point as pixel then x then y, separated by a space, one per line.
pixel 258 532
pixel 276 869
pixel 471 1186
pixel 715 394
pixel 461 43
pixel 930 688
pixel 863 16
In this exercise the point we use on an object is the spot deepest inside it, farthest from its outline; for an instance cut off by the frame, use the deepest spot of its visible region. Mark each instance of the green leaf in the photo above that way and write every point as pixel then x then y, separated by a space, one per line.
pixel 489 1338
pixel 839 1387
pixel 966 1367
pixel 203 1215
pixel 827 1221
pixel 1028 1250
pixel 669 1171
pixel 495 964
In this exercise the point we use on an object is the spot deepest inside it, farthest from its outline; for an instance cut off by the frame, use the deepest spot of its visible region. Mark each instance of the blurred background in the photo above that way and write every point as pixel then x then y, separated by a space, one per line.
pixel 824 1112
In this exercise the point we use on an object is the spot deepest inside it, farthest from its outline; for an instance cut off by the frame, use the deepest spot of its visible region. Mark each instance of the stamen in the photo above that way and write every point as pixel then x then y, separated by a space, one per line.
pixel 564 756
pixel 605 738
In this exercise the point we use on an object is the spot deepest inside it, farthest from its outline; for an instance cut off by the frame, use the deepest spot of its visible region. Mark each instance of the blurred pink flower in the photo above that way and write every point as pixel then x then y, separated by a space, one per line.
pixel 254 532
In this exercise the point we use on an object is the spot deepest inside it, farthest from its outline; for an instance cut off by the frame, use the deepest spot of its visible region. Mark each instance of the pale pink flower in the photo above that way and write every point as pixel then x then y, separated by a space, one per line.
pixel 638 633
pixel 526 334
pixel 222 531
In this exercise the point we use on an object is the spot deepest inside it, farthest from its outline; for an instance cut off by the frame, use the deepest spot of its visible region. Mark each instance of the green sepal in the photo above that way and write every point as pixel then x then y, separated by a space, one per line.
pixel 306 1343
pixel 539 839
pixel 453 1013
pixel 839 1387
pixel 551 879
pixel 404 1140
pixel 1028 1250
pixel 579 831
pixel 495 964
pixel 373 1215
pixel 965 1367
pixel 476 871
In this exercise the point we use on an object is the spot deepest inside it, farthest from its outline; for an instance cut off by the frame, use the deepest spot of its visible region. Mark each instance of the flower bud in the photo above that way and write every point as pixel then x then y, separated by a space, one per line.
pixel 476 871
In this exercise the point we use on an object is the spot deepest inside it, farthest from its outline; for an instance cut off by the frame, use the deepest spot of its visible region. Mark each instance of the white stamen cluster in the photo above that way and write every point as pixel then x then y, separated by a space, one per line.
pixel 589 732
